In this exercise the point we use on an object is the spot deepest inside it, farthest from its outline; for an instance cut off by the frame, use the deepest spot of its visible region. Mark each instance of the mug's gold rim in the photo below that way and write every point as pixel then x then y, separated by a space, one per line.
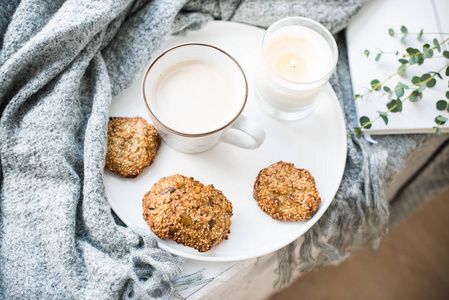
pixel 155 119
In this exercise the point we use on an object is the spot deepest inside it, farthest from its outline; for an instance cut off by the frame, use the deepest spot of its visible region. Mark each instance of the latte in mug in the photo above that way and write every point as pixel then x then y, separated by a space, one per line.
pixel 194 97
pixel 195 93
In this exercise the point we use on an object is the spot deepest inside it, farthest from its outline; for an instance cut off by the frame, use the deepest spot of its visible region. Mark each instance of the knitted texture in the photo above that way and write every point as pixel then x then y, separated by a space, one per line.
pixel 61 63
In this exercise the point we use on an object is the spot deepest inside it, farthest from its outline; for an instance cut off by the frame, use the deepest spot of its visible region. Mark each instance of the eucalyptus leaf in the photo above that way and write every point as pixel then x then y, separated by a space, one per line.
pixel 414 96
pixel 427 52
pixel 358 132
pixel 375 84
pixel 420 34
pixel 446 54
pixel 399 105
pixel 437 130
pixel 437 74
pixel 442 105
pixel 404 29
pixel 437 45
pixel 403 61
pixel 365 122
pixel 420 59
pixel 384 116
pixel 440 120
pixel 366 52
pixel 392 106
pixel 410 50
pixel 391 32
pixel 416 80
pixel 399 91
pixel 378 56
pixel 431 83
pixel 421 87
pixel 425 76
pixel 403 85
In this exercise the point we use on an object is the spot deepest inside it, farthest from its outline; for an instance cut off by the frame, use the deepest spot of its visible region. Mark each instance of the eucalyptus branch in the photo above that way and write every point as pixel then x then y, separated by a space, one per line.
pixel 418 83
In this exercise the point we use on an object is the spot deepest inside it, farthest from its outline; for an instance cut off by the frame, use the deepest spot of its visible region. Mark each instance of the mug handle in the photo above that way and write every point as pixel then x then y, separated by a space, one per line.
pixel 244 133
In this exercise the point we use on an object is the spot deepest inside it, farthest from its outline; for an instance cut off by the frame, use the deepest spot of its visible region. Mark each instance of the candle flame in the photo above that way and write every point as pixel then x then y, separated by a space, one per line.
pixel 292 64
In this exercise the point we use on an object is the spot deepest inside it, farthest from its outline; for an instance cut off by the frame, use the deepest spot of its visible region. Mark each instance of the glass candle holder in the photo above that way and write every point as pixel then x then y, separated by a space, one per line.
pixel 298 57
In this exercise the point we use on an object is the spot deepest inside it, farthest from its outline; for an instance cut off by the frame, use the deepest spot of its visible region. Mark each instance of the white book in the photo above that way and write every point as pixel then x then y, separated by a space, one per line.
pixel 369 30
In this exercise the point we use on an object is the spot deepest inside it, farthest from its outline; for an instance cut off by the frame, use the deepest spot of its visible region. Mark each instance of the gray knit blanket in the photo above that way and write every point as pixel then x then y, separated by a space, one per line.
pixel 61 63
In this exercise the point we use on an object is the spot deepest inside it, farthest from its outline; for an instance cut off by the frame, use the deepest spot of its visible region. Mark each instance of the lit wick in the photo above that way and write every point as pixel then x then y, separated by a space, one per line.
pixel 291 67
pixel 292 64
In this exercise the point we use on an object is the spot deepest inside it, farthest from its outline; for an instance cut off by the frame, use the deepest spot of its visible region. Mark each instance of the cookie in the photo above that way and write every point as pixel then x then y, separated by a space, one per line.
pixel 286 193
pixel 132 145
pixel 188 212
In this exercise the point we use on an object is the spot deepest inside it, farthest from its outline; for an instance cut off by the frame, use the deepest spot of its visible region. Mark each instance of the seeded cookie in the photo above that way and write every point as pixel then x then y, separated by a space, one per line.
pixel 286 193
pixel 132 145
pixel 188 212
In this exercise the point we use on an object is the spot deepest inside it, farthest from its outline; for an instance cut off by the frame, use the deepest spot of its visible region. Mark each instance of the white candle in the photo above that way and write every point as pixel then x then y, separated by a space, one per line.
pixel 299 56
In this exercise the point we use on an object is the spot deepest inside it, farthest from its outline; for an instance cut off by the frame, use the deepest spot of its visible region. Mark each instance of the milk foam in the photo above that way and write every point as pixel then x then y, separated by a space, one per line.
pixel 194 97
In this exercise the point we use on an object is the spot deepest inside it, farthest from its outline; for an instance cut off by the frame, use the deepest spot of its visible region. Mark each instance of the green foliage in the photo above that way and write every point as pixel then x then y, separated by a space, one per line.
pixel 395 105
pixel 412 91
pixel 442 105
pixel 404 29
pixel 365 122
pixel 384 116
pixel 437 45
pixel 376 85
pixel 440 120
pixel 405 32
pixel 415 96
pixel 420 34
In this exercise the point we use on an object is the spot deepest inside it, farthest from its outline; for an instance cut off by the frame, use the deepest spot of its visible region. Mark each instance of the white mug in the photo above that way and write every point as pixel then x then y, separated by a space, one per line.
pixel 195 95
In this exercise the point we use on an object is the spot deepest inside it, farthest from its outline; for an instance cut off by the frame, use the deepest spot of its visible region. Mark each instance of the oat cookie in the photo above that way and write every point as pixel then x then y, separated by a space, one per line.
pixel 188 212
pixel 286 193
pixel 132 145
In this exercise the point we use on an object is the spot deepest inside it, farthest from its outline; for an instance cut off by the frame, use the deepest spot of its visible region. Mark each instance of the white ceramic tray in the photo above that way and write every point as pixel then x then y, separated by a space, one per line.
pixel 316 143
